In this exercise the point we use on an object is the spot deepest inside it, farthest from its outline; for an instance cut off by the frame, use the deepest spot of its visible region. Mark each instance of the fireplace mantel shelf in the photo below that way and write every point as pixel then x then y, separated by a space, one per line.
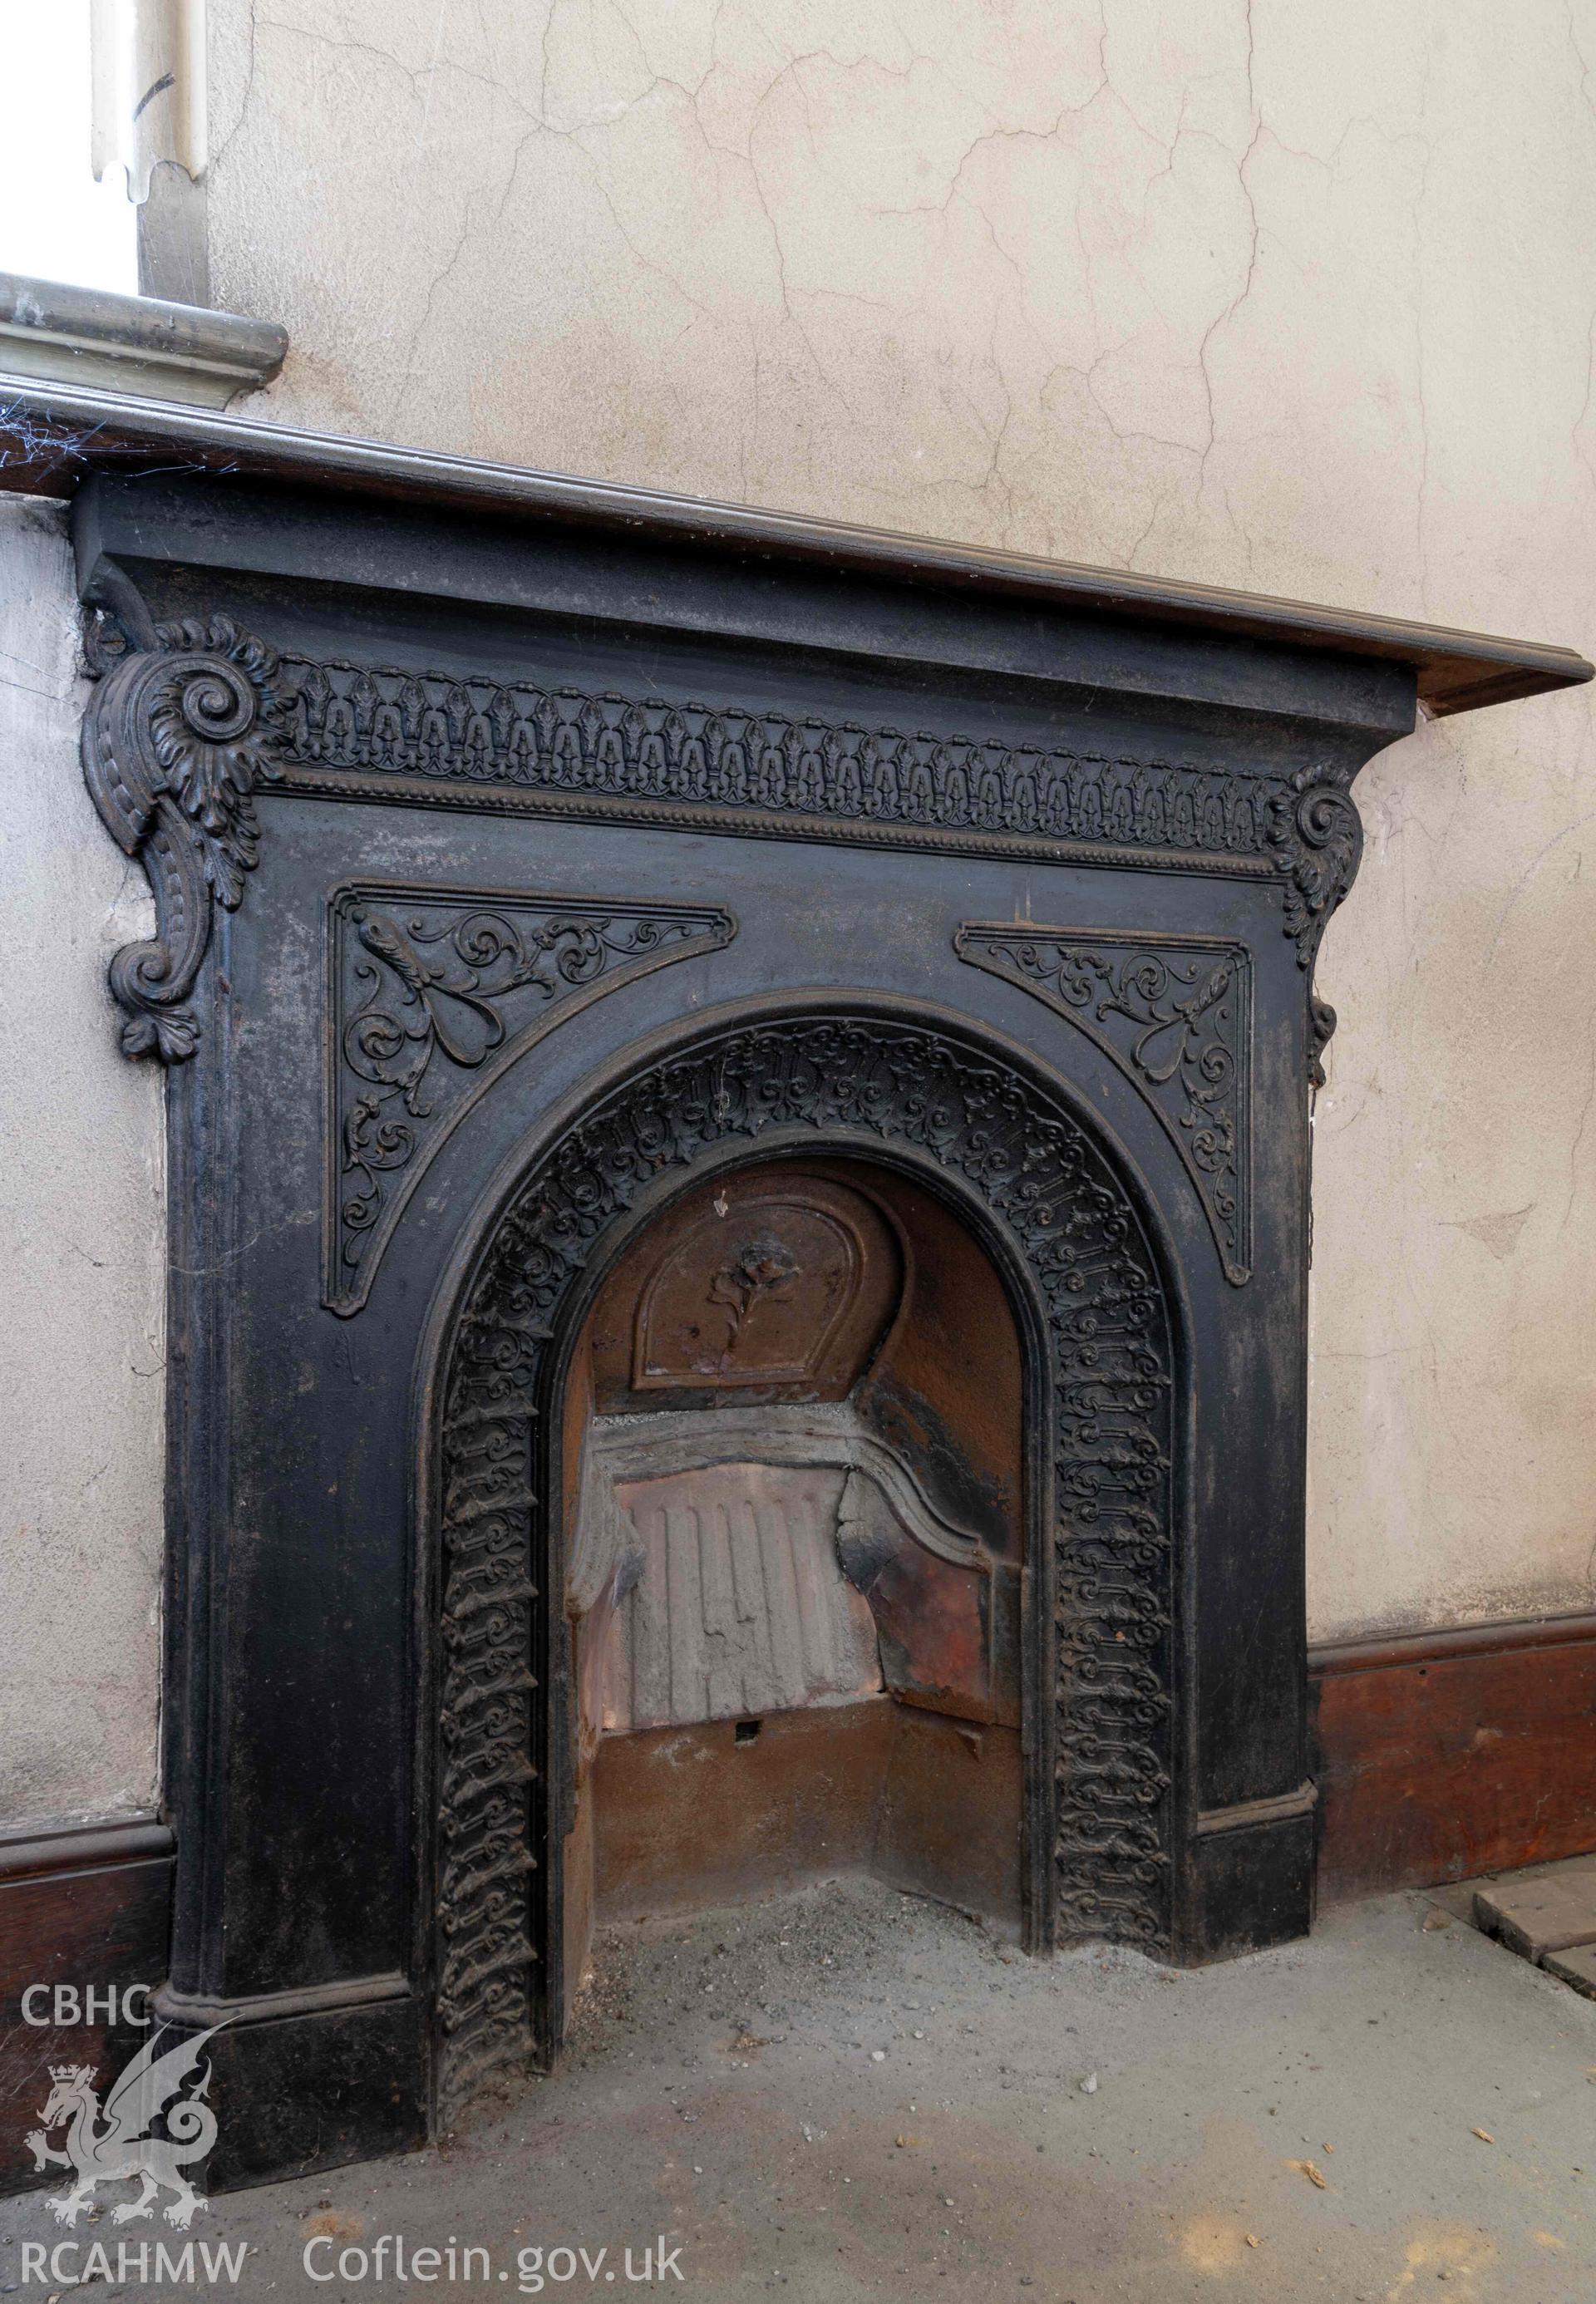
pixel 53 435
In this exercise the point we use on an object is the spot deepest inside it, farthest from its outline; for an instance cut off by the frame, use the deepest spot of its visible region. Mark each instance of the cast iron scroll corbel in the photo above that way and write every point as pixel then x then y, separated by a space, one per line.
pixel 175 740
pixel 1318 837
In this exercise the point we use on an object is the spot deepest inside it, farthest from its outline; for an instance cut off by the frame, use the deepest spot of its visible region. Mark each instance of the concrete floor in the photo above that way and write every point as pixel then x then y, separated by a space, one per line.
pixel 849 2095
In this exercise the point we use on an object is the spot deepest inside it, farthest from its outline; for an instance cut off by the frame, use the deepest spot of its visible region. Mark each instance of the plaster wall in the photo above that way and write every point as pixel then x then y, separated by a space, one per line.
pixel 82 1232
pixel 1288 297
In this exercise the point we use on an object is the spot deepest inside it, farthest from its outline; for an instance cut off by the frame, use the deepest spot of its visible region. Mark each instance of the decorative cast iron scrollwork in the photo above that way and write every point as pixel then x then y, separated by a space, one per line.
pixel 1175 1015
pixel 430 988
pixel 1318 837
pixel 175 740
pixel 864 1080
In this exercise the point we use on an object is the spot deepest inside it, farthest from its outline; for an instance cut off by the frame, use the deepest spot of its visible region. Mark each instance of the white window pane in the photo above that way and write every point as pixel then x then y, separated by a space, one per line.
pixel 56 222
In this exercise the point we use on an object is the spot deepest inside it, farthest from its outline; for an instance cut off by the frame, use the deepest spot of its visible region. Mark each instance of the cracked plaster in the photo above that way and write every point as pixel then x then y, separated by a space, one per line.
pixel 1297 299
pixel 82 1234
pixel 1291 299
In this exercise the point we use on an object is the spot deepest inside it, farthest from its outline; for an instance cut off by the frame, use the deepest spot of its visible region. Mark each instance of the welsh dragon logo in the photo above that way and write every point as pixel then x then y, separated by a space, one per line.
pixel 115 2145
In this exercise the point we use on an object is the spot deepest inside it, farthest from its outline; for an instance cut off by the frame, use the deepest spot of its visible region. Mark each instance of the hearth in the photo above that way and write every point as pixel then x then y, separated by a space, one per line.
pixel 739 1133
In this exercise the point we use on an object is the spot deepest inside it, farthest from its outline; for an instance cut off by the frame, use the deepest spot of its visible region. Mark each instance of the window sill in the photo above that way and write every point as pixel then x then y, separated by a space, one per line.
pixel 133 344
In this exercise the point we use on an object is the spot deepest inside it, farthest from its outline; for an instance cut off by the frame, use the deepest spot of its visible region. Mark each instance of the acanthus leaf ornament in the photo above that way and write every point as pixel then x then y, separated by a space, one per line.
pixel 1318 838
pixel 175 740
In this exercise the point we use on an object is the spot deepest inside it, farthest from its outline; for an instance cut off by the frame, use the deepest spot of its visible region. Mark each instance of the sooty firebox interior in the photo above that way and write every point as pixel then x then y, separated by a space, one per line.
pixel 792 1435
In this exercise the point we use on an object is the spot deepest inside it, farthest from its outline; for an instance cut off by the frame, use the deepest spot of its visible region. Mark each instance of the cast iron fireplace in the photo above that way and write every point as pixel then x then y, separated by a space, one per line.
pixel 707 1056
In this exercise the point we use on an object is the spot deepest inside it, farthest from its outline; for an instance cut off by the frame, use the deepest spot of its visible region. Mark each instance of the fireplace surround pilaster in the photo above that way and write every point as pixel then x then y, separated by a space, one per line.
pixel 526 852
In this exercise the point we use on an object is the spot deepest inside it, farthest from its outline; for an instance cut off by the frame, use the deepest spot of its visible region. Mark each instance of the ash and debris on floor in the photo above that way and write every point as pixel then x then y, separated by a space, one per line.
pixel 848 2095
pixel 843 1961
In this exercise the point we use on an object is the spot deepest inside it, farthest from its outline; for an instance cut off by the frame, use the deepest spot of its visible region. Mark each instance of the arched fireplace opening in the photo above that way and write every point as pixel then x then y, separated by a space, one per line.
pixel 794 1495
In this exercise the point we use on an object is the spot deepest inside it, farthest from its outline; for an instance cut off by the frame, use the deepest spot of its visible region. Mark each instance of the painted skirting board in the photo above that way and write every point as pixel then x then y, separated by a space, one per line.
pixel 85 1908
pixel 1443 1755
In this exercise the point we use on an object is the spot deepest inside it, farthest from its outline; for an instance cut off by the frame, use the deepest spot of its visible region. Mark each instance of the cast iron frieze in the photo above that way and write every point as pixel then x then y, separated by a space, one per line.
pixel 791 776
pixel 1175 1015
pixel 433 995
pixel 175 740
pixel 1004 1139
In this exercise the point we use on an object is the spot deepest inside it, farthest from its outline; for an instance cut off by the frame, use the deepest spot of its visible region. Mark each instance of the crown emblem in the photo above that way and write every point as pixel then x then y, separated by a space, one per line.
pixel 107 2143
